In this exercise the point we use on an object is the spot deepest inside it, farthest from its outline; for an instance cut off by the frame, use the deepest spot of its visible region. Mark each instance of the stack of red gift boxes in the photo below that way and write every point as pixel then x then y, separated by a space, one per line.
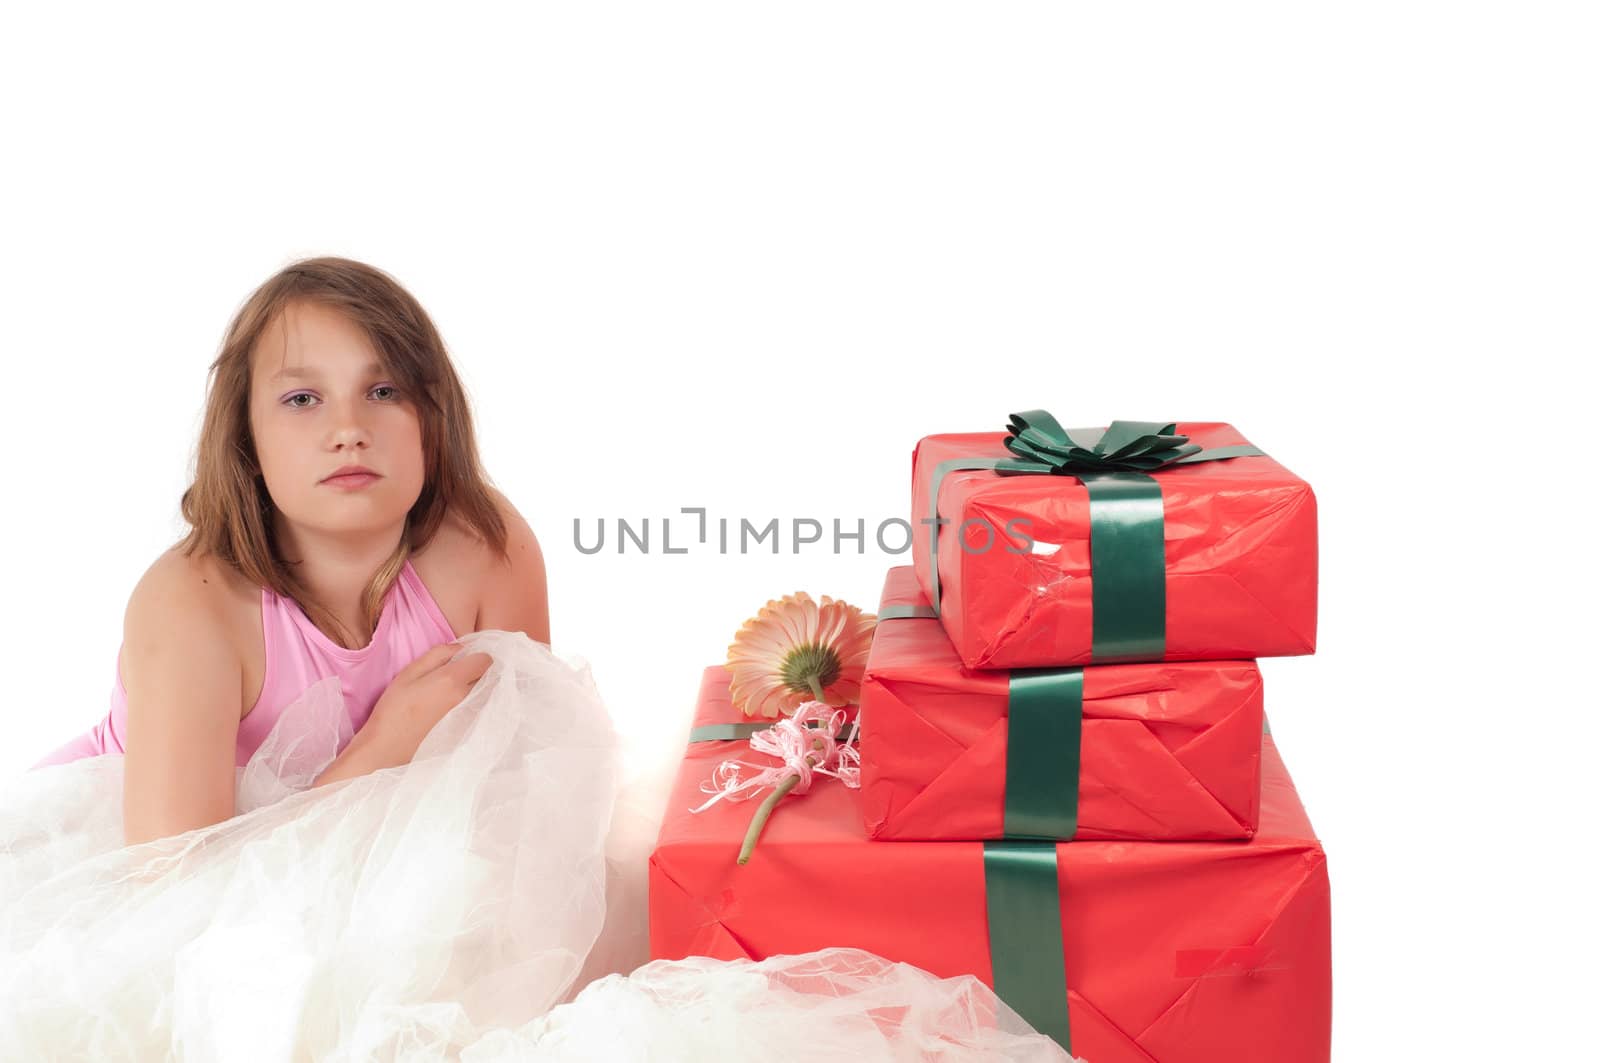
pixel 1062 734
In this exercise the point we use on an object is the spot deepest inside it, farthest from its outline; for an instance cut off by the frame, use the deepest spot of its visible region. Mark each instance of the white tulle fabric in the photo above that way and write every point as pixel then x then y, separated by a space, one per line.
pixel 832 1006
pixel 441 910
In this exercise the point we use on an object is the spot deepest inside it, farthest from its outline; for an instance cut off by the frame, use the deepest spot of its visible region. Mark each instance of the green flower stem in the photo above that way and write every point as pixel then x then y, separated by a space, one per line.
pixel 816 688
pixel 759 820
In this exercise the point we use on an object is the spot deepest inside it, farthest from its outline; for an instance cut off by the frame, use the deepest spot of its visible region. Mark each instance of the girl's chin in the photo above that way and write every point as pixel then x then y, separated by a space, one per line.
pixel 369 520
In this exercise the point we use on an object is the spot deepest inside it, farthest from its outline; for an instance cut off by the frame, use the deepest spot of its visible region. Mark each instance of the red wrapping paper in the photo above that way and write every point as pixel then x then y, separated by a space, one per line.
pixel 1170 750
pixel 1241 556
pixel 1202 952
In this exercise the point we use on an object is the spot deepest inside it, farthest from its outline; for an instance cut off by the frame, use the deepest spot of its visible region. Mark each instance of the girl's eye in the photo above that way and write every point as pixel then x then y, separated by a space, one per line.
pixel 385 392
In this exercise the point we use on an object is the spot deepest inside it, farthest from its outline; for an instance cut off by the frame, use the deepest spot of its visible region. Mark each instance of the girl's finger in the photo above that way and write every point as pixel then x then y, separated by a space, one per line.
pixel 428 661
pixel 471 667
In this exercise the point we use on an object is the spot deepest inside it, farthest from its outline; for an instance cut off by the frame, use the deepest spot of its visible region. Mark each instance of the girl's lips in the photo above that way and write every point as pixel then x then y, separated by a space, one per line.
pixel 352 481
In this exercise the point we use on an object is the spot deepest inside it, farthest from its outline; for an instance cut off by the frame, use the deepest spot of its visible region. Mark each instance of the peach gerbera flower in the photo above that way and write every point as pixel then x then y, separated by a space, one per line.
pixel 794 651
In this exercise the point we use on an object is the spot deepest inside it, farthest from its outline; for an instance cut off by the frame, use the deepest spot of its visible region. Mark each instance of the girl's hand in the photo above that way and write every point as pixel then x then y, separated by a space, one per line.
pixel 419 696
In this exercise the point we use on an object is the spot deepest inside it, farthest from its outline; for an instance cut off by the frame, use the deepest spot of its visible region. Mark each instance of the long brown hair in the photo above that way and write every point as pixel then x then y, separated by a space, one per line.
pixel 228 507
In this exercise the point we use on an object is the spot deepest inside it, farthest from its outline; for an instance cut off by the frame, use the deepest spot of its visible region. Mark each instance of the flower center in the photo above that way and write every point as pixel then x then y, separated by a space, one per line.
pixel 809 662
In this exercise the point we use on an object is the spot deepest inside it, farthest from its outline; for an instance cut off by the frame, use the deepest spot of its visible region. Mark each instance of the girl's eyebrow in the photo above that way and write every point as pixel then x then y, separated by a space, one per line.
pixel 296 372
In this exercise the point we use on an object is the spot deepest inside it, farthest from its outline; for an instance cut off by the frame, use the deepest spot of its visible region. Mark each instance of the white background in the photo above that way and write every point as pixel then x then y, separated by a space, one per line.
pixel 743 257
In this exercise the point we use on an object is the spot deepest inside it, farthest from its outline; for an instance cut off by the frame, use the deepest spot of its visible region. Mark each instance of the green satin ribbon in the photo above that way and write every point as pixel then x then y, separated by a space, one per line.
pixel 723 732
pixel 1128 567
pixel 1026 949
pixel 1044 743
pixel 1127 555
pixel 1044 740
pixel 902 612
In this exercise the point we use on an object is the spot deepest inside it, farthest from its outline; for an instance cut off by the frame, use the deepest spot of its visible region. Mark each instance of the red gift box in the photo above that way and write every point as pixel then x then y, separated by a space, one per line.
pixel 1206 952
pixel 1169 750
pixel 1014 579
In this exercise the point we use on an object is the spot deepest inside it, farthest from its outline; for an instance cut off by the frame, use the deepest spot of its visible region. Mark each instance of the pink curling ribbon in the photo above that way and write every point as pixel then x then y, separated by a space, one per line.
pixel 805 751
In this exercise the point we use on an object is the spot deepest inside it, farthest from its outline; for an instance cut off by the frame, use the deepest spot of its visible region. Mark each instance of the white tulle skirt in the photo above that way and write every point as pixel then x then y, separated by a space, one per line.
pixel 440 910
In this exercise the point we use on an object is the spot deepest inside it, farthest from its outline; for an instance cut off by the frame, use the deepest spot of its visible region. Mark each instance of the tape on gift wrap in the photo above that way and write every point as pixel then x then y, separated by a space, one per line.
pixel 1127 553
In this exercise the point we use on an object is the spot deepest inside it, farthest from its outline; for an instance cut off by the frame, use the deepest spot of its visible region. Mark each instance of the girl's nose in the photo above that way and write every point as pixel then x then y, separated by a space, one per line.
pixel 351 435
pixel 350 427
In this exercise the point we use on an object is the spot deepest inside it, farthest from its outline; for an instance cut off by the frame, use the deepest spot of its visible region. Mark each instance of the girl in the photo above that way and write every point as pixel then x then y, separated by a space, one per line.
pixel 340 525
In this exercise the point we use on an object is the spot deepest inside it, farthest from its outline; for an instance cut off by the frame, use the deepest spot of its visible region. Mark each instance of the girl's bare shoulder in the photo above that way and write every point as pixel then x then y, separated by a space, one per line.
pixel 180 664
pixel 465 573
pixel 178 590
pixel 454 566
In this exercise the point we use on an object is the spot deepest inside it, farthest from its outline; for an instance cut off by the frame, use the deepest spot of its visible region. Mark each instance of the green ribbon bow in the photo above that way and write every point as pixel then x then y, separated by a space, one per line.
pixel 1127 446
pixel 1127 551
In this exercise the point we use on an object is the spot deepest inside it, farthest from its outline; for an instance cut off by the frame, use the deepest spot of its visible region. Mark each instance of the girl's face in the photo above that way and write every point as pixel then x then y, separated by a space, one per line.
pixel 319 400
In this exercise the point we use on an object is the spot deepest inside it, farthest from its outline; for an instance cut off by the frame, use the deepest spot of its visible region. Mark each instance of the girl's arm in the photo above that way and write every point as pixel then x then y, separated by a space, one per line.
pixel 364 754
pixel 183 677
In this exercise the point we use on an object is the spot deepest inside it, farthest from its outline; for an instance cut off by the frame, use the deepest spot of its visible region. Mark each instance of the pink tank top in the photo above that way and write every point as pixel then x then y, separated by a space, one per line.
pixel 297 655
